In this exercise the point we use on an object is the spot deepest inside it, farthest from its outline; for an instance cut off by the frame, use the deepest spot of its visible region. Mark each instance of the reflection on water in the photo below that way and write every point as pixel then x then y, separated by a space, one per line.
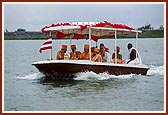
pixel 59 83
pixel 87 87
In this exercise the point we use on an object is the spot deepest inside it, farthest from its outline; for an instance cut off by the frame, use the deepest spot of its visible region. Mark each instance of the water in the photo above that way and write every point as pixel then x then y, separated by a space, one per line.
pixel 25 89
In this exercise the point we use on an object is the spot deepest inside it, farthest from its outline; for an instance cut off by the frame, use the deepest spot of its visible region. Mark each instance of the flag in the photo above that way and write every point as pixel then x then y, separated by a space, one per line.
pixel 46 45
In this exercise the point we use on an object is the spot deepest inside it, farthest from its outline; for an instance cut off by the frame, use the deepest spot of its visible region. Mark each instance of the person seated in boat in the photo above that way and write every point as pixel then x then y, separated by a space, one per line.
pixel 85 55
pixel 74 55
pixel 134 57
pixel 92 51
pixel 107 49
pixel 61 54
pixel 105 55
pixel 96 55
pixel 119 56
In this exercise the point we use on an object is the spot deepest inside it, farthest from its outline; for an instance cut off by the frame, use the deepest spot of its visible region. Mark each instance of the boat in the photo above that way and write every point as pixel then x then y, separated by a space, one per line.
pixel 65 69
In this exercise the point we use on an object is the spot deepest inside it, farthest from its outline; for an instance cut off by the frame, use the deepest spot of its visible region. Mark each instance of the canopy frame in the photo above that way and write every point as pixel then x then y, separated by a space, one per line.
pixel 89 28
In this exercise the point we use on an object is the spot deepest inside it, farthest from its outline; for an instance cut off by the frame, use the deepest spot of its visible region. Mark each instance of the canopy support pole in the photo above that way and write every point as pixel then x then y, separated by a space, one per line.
pixel 96 45
pixel 115 46
pixel 70 40
pixel 50 49
pixel 71 36
pixel 136 43
pixel 90 43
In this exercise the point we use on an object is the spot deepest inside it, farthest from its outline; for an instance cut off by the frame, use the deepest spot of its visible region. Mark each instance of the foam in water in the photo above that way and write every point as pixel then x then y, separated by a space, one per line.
pixel 33 76
pixel 90 75
pixel 156 70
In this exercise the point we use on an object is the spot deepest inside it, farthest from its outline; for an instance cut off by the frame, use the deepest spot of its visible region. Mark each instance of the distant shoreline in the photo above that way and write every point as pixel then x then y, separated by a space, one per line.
pixel 80 39
pixel 23 35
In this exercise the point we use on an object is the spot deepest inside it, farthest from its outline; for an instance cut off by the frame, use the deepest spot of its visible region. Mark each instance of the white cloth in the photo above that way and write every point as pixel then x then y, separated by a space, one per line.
pixel 137 60
pixel 66 56
pixel 107 57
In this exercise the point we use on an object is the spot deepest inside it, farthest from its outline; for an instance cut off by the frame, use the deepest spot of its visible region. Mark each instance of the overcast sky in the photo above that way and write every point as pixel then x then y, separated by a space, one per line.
pixel 33 17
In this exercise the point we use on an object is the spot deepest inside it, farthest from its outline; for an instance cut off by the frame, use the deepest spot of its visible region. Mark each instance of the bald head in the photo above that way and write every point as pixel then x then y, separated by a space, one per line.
pixel 129 46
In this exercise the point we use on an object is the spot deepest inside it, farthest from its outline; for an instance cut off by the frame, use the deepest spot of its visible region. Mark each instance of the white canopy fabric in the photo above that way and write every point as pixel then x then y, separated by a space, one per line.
pixel 80 30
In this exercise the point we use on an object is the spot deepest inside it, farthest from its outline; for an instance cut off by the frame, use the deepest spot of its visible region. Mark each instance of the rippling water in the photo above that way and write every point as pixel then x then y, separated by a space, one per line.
pixel 25 89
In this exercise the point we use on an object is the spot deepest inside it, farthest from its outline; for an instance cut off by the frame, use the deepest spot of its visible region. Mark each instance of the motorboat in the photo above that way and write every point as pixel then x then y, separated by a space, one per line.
pixel 65 69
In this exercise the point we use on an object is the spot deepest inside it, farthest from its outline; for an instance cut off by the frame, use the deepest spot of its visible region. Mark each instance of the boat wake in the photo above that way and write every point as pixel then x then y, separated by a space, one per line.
pixel 34 76
pixel 90 75
pixel 155 70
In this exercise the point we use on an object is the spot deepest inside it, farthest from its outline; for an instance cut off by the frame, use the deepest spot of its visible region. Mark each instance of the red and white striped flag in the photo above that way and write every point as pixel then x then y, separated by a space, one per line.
pixel 46 45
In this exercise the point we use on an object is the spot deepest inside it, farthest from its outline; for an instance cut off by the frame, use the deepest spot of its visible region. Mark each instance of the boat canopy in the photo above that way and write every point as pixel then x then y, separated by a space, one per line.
pixel 79 30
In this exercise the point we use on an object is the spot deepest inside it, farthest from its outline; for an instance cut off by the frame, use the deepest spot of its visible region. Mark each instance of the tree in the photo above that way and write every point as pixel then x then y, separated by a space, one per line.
pixel 161 27
pixel 146 27
pixel 21 30
pixel 6 30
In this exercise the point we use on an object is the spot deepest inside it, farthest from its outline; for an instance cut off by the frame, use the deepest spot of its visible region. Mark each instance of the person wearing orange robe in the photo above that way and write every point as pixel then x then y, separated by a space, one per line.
pixel 97 57
pixel 85 55
pixel 74 55
pixel 119 56
pixel 92 51
pixel 60 53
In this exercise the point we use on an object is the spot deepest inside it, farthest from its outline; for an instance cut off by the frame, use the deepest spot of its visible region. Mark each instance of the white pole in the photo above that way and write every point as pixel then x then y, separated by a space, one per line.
pixel 90 43
pixel 51 54
pixel 70 42
pixel 96 45
pixel 136 43
pixel 50 49
pixel 115 46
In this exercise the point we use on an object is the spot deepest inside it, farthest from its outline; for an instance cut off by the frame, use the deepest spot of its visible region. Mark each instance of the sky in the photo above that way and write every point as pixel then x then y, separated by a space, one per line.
pixel 33 17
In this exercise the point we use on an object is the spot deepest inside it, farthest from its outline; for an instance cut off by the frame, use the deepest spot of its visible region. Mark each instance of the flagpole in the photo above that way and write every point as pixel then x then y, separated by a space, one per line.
pixel 51 54
pixel 50 49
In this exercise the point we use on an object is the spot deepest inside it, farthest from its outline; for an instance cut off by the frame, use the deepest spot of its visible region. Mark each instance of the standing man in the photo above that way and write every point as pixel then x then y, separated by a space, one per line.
pixel 134 57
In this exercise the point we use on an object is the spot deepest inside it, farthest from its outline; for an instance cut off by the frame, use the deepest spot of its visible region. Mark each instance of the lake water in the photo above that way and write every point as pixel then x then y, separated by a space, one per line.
pixel 26 90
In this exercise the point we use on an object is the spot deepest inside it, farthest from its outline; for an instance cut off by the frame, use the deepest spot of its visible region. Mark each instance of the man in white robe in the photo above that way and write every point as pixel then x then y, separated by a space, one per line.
pixel 134 57
pixel 105 55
